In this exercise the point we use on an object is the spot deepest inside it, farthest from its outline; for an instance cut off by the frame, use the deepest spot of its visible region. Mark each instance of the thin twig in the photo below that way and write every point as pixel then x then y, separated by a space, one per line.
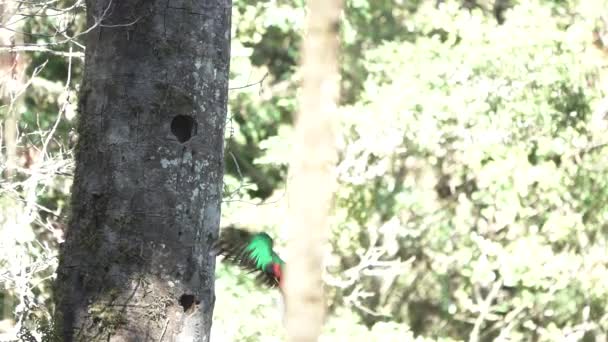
pixel 250 84
pixel 164 330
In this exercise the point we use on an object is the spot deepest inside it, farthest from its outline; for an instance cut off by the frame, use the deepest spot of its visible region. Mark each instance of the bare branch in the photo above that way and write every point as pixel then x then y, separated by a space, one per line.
pixel 38 48
pixel 251 84
pixel 484 310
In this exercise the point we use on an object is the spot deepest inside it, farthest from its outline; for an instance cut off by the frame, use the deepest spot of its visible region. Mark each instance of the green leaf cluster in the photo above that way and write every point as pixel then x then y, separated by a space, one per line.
pixel 472 178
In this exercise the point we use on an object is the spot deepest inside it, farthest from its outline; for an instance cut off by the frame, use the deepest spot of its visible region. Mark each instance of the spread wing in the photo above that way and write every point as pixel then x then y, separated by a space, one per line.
pixel 250 251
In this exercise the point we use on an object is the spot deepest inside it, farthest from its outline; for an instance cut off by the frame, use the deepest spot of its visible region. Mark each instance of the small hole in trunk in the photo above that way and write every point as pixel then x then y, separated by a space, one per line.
pixel 183 127
pixel 187 301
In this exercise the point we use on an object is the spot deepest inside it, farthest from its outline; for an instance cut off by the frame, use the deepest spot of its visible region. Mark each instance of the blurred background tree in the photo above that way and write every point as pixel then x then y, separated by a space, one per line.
pixel 473 173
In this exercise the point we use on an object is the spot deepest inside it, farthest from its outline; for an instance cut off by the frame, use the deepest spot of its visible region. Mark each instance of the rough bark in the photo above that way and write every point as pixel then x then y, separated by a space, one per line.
pixel 148 181
pixel 311 179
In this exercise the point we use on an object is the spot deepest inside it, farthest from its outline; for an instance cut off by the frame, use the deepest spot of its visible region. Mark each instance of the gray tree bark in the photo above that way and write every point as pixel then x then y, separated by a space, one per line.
pixel 135 265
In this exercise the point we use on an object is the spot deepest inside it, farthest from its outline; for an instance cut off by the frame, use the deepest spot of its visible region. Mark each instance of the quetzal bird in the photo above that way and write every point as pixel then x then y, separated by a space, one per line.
pixel 252 252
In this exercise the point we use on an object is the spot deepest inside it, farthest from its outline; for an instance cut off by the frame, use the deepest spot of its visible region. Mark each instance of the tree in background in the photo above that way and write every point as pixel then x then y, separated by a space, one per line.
pixel 469 146
pixel 12 88
pixel 12 72
pixel 147 186
pixel 35 184
pixel 311 182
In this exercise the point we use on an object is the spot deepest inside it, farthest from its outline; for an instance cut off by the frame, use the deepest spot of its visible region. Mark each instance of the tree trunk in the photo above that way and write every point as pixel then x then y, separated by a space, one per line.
pixel 149 166
pixel 12 84
pixel 13 216
pixel 311 181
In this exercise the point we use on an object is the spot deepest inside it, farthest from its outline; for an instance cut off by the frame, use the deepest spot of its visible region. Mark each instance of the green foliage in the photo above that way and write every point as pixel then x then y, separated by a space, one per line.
pixel 470 141
pixel 472 174
pixel 34 194
pixel 467 165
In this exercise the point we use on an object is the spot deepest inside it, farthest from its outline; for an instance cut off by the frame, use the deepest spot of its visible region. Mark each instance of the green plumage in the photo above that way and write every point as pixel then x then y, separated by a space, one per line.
pixel 260 251
pixel 251 251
